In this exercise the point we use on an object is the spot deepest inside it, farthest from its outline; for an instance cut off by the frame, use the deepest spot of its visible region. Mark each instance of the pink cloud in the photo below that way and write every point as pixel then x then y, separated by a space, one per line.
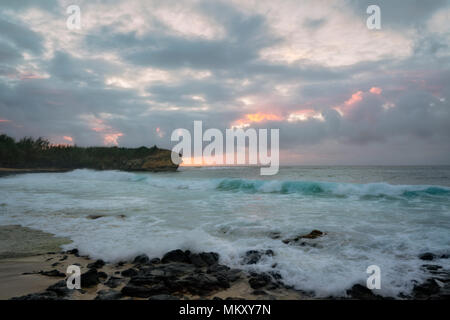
pixel 356 97
pixel 110 139
pixel 256 117
pixel 375 90
pixel 109 134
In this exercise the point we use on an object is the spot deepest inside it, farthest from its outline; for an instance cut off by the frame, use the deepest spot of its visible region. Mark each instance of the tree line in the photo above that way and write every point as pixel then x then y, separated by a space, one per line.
pixel 40 153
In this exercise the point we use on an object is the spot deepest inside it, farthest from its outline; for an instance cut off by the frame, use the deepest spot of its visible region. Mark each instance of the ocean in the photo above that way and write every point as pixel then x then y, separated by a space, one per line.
pixel 384 216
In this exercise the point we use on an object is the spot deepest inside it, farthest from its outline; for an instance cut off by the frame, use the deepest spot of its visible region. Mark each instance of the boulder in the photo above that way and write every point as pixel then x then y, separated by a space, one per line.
pixel 203 259
pixel 141 259
pixel 60 289
pixel 253 256
pixel 258 281
pixel 90 278
pixel 52 273
pixel 74 252
pixel 427 289
pixel 129 272
pixel 97 264
pixel 427 256
pixel 108 295
pixel 175 256
pixel 132 290
pixel 113 282
pixel 312 235
pixel 361 292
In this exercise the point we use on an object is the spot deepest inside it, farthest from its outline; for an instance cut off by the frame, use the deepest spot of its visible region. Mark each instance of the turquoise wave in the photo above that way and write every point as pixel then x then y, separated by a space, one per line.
pixel 331 188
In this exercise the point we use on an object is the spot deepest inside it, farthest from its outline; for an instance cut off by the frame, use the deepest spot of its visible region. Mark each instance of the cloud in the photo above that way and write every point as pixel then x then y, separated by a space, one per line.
pixel 338 92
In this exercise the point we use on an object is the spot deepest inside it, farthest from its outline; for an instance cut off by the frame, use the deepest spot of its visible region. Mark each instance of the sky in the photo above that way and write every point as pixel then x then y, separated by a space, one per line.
pixel 339 92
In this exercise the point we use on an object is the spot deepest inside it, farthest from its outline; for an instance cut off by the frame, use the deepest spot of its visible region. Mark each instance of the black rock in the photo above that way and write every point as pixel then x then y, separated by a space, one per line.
pixel 210 257
pixel 129 272
pixel 155 261
pixel 362 293
pixel 217 268
pixel 204 259
pixel 102 275
pixel 312 235
pixel 47 295
pixel 90 278
pixel 55 264
pixel 163 297
pixel 60 289
pixel 426 290
pixel 145 280
pixel 108 295
pixel 52 273
pixel 431 267
pixel 259 280
pixel 63 258
pixel 174 269
pixel 141 259
pixel 222 271
pixel 196 260
pixel 259 292
pixel 132 290
pixel 175 256
pixel 275 275
pixel 253 256
pixel 97 264
pixel 113 282
pixel 73 251
pixel 428 256
pixel 200 283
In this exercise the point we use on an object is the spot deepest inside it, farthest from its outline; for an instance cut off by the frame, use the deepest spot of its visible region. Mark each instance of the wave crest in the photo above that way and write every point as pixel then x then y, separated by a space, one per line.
pixel 331 188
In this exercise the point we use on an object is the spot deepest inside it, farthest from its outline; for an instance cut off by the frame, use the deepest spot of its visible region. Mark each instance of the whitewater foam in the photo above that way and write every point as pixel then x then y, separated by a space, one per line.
pixel 216 210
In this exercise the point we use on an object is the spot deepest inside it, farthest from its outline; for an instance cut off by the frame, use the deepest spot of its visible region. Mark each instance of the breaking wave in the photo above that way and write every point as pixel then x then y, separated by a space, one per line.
pixel 331 188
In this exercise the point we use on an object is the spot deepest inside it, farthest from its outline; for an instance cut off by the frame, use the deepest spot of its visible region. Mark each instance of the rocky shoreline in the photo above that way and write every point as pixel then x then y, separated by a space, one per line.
pixel 176 275
pixel 184 275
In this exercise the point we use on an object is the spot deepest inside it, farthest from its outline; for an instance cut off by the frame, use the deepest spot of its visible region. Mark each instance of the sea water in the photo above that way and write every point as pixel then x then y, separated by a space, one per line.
pixel 384 216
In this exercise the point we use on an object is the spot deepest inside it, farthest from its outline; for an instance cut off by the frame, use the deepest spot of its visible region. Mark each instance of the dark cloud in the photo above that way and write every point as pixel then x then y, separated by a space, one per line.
pixel 65 92
pixel 21 37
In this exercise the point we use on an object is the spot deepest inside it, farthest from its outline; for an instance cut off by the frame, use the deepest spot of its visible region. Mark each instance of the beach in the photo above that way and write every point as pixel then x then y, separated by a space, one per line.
pixel 30 274
pixel 312 231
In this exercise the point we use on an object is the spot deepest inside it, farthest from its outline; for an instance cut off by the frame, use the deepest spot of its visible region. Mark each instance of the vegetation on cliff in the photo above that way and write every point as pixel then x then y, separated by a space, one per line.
pixel 39 153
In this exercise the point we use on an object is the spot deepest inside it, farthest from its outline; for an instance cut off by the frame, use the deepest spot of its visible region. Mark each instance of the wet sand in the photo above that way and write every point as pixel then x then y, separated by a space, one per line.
pixel 25 252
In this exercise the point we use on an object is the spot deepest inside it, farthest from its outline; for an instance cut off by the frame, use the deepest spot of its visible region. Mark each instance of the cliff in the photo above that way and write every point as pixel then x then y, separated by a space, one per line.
pixel 39 154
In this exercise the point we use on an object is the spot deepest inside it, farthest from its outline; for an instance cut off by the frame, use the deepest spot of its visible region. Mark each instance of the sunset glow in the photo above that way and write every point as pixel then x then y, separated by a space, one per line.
pixel 375 90
pixel 256 118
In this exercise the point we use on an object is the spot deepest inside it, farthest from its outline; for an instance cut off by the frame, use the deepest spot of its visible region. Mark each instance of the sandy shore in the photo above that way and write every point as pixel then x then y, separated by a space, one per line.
pixel 20 277
pixel 31 261
pixel 33 267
